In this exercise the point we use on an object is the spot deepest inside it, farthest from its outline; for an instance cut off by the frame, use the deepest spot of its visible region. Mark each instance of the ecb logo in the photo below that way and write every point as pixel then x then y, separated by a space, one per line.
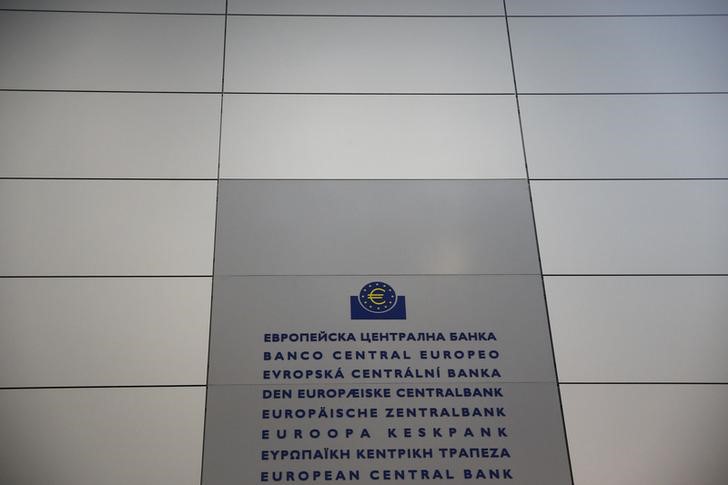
pixel 378 301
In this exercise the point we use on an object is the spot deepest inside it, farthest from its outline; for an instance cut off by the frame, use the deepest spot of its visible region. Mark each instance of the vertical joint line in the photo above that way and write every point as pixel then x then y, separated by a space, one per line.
pixel 535 233
pixel 214 237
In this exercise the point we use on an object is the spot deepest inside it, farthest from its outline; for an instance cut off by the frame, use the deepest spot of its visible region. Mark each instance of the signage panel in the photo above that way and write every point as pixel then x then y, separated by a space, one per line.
pixel 376 331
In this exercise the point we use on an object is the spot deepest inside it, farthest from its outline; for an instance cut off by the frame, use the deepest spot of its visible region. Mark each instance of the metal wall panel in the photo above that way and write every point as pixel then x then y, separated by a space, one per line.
pixel 533 412
pixel 616 7
pixel 420 227
pixel 512 307
pixel 371 7
pixel 104 227
pixel 371 137
pixel 88 51
pixel 617 55
pixel 126 135
pixel 650 433
pixel 103 331
pixel 630 136
pixel 639 328
pixel 367 55
pixel 632 227
pixel 111 436
pixel 172 6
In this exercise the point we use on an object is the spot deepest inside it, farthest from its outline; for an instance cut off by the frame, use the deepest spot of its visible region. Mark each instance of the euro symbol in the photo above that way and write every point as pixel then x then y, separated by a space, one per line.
pixel 376 296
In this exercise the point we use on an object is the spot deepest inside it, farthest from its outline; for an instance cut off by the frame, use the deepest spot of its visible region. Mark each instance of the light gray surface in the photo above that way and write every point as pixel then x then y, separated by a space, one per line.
pixel 110 52
pixel 108 135
pixel 374 227
pixel 512 307
pixel 182 6
pixel 78 227
pixel 371 137
pixel 370 7
pixel 103 331
pixel 150 436
pixel 535 441
pixel 632 227
pixel 648 329
pixel 367 54
pixel 658 437
pixel 606 55
pixel 647 434
pixel 616 7
pixel 653 136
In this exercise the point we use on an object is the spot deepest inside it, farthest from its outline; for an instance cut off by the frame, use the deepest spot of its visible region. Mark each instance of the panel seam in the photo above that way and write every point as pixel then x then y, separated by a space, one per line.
pixel 214 243
pixel 538 252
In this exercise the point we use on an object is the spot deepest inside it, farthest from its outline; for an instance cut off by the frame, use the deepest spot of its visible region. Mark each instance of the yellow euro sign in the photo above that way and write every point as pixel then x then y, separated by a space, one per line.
pixel 376 296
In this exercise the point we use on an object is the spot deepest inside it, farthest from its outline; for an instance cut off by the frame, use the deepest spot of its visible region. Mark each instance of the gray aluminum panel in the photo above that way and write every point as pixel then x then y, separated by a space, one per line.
pixel 647 434
pixel 370 7
pixel 371 137
pixel 246 308
pixel 632 227
pixel 637 328
pixel 89 51
pixel 172 6
pixel 374 227
pixel 147 436
pixel 536 440
pixel 106 227
pixel 123 135
pixel 103 331
pixel 367 54
pixel 630 136
pixel 616 7
pixel 618 54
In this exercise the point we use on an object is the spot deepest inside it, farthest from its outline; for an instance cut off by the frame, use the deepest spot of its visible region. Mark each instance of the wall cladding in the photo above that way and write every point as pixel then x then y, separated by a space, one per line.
pixel 115 137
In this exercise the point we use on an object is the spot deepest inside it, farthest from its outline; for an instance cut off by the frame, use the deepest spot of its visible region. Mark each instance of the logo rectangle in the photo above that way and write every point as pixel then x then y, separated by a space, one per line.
pixel 397 312
pixel 378 301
